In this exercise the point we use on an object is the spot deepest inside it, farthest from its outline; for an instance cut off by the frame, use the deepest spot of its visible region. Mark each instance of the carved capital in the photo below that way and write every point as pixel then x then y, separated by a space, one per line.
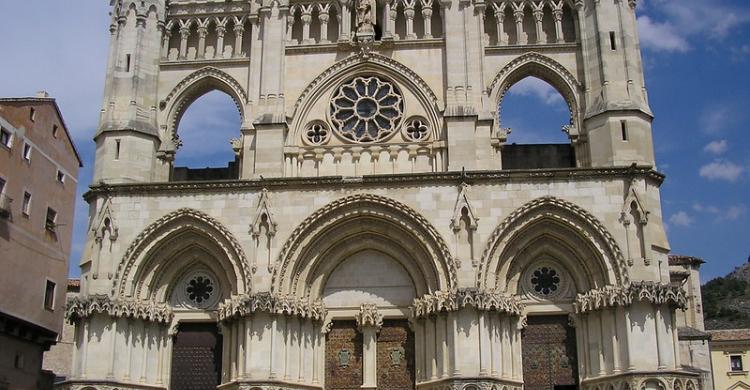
pixel 369 316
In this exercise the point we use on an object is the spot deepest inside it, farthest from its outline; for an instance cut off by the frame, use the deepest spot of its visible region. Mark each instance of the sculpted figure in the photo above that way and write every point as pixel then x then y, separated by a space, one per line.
pixel 365 15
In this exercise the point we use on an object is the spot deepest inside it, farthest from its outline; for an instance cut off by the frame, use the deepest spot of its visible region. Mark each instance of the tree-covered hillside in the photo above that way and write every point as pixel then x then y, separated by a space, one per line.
pixel 726 301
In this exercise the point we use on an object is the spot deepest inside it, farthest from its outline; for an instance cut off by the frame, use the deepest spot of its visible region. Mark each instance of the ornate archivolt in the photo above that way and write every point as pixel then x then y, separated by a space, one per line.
pixel 192 87
pixel 192 238
pixel 566 231
pixel 84 307
pixel 547 69
pixel 645 291
pixel 356 223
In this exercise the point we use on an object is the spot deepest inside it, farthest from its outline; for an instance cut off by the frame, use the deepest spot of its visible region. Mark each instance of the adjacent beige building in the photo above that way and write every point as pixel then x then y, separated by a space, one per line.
pixel 730 357
pixel 375 229
pixel 38 177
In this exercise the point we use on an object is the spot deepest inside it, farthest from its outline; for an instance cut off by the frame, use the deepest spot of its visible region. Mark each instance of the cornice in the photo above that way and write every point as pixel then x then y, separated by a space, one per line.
pixel 326 182
pixel 439 301
pixel 643 291
pixel 245 305
pixel 84 307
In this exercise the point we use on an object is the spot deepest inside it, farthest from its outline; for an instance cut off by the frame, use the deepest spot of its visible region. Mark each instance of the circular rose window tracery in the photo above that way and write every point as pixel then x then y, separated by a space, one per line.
pixel 197 290
pixel 367 109
pixel 547 280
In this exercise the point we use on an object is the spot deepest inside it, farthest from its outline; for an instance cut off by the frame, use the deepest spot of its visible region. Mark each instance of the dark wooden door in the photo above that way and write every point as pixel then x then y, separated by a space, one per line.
pixel 395 356
pixel 196 357
pixel 549 354
pixel 343 356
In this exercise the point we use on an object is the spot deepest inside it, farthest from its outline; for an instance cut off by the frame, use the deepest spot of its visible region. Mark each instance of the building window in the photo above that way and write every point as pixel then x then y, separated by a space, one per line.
pixel 18 361
pixel 735 363
pixel 32 114
pixel 5 137
pixel 2 186
pixel 117 149
pixel 60 176
pixel 624 130
pixel 26 205
pixel 51 221
pixel 27 152
pixel 54 130
pixel 49 295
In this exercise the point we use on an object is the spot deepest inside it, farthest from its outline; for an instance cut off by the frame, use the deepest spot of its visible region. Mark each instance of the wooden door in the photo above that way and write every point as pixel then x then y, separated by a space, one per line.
pixel 549 354
pixel 196 357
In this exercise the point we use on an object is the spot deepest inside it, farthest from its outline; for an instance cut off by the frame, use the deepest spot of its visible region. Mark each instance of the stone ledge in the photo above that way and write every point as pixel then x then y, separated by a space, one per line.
pixel 460 383
pixel 78 384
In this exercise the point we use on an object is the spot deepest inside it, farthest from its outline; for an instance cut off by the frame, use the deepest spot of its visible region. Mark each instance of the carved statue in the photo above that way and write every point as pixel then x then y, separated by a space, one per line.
pixel 365 16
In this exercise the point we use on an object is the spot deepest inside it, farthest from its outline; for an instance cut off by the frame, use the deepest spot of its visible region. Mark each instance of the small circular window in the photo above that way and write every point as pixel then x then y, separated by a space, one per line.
pixel 197 290
pixel 545 281
pixel 367 109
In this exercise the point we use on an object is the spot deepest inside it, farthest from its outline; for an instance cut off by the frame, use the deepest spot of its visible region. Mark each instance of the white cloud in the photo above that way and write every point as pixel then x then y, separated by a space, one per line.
pixel 721 170
pixel 734 212
pixel 716 147
pixel 731 213
pixel 660 36
pixel 706 208
pixel 680 21
pixel 681 218
pixel 532 86
pixel 715 119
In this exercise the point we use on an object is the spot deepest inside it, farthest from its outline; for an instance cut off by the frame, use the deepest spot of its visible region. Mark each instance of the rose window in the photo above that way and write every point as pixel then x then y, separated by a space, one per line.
pixel 367 109
pixel 545 281
pixel 199 289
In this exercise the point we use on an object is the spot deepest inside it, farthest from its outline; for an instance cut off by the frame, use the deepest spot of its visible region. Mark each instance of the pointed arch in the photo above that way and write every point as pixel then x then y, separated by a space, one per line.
pixel 144 267
pixel 544 68
pixel 357 65
pixel 558 228
pixel 196 85
pixel 357 223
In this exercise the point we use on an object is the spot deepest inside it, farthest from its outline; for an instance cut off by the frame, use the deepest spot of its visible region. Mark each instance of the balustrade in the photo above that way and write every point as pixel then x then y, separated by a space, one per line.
pixel 205 38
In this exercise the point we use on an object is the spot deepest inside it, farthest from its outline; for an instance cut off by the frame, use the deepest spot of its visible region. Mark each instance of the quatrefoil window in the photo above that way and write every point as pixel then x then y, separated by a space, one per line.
pixel 199 289
pixel 317 133
pixel 367 109
pixel 545 280
pixel 417 129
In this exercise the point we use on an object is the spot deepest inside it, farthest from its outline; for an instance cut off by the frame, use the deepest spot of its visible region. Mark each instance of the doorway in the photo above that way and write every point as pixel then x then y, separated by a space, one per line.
pixel 196 357
pixel 549 354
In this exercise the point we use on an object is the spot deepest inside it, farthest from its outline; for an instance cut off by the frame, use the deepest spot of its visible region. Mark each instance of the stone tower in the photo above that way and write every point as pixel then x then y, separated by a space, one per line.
pixel 375 230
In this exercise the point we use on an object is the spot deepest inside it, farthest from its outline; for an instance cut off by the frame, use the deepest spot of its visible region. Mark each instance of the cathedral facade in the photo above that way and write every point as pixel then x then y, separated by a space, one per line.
pixel 375 229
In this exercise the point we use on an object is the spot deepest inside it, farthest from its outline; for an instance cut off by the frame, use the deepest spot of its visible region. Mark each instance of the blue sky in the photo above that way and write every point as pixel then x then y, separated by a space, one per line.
pixel 697 59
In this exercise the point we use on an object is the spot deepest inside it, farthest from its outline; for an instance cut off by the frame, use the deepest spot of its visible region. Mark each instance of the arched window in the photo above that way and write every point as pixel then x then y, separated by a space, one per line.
pixel 206 130
pixel 536 115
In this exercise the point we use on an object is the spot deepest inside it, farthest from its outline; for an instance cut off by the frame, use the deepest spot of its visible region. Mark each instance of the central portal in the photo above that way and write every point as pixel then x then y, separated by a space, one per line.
pixel 549 354
pixel 196 357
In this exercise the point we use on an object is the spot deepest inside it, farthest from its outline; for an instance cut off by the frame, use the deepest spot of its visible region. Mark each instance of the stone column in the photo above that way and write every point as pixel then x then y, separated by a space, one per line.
pixel 289 26
pixel 239 29
pixel 518 15
pixel 202 32
pixel 427 16
pixel 409 14
pixel 392 15
pixel 184 34
pixel 306 20
pixel 557 14
pixel 323 18
pixel 345 27
pixel 219 52
pixel 538 12
pixel 166 36
pixel 502 39
pixel 369 322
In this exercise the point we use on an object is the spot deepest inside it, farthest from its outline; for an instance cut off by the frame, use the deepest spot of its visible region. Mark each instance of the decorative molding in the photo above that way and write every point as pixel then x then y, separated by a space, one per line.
pixel 83 307
pixel 439 301
pixel 246 305
pixel 369 316
pixel 407 218
pixel 643 291
pixel 663 380
pixel 141 241
pixel 208 71
pixel 461 202
pixel 519 216
pixel 263 208
pixel 468 383
pixel 434 178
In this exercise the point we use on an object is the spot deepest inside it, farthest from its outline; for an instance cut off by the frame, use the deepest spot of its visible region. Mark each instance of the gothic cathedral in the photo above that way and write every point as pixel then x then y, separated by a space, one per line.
pixel 376 229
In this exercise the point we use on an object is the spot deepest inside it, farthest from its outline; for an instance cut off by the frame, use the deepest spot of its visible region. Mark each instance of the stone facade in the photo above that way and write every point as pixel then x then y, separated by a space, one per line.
pixel 371 194
pixel 38 176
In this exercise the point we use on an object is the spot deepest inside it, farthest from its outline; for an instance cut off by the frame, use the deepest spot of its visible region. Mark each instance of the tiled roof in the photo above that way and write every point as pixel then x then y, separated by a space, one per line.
pixel 688 333
pixel 730 334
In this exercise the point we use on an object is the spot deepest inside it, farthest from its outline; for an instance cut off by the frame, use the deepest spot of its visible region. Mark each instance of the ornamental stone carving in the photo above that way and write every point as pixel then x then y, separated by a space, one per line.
pixel 455 300
pixel 245 305
pixel 367 109
pixel 613 296
pixel 369 316
pixel 78 308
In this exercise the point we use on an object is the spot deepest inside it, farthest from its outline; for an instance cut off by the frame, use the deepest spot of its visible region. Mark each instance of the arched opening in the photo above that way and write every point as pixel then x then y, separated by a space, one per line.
pixel 207 130
pixel 534 115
